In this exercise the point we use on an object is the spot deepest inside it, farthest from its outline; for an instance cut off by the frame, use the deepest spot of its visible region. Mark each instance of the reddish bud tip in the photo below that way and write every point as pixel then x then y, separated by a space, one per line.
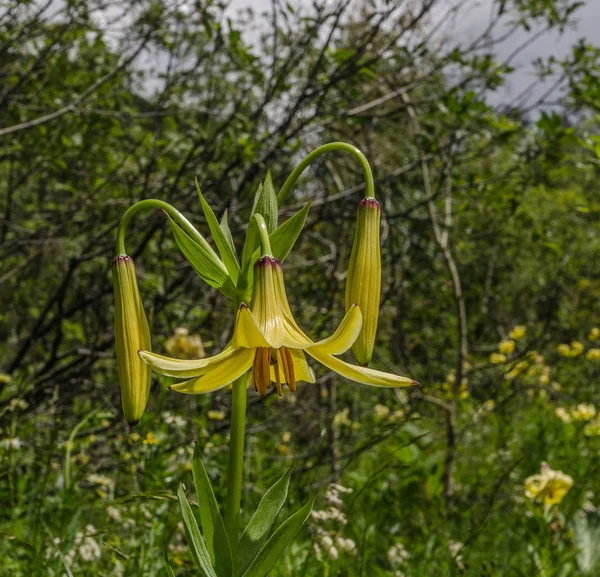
pixel 416 383
pixel 243 306
pixel 133 423
pixel 369 202
pixel 122 258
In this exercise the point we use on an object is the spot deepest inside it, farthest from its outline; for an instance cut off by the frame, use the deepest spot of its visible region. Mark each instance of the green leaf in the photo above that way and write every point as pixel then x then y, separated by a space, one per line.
pixel 204 260
pixel 166 563
pixel 284 237
pixel 197 546
pixel 276 545
pixel 226 250
pixel 261 522
pixel 265 203
pixel 257 196
pixel 282 241
pixel 226 231
pixel 210 518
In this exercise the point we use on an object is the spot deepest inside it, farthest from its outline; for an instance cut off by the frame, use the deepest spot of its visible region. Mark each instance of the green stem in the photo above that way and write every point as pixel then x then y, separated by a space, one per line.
pixel 235 467
pixel 331 147
pixel 152 204
pixel 263 232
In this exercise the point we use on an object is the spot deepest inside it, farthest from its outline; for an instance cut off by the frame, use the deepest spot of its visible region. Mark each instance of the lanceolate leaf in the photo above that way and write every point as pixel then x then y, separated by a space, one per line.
pixel 225 249
pixel 282 241
pixel 284 237
pixel 261 522
pixel 197 546
pixel 167 564
pixel 276 545
pixel 226 231
pixel 213 527
pixel 203 260
pixel 266 203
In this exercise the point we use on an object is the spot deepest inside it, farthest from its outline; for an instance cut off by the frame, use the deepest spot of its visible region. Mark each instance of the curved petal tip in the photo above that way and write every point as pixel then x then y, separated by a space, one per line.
pixel 133 423
pixel 416 383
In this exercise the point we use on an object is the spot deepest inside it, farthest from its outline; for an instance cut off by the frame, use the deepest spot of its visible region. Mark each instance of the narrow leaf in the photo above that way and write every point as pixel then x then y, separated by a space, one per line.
pixel 266 203
pixel 226 231
pixel 284 237
pixel 166 563
pixel 210 518
pixel 256 198
pixel 261 522
pixel 197 546
pixel 226 250
pixel 276 545
pixel 204 260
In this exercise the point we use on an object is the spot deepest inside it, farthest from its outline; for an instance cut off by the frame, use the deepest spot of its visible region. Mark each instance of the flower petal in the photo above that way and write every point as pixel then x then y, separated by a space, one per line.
pixel 184 368
pixel 345 335
pixel 302 370
pixel 266 309
pixel 247 334
pixel 224 373
pixel 360 374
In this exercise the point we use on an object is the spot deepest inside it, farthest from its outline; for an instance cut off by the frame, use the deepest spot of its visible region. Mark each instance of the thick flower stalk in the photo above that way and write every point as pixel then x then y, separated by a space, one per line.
pixel 131 335
pixel 268 341
pixel 363 284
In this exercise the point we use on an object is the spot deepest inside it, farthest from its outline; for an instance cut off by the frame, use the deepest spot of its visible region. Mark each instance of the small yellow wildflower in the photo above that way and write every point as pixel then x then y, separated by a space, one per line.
pixel 451 377
pixel 463 392
pixel 518 332
pixel 563 350
pixel 150 439
pixel 284 449
pixel 286 437
pixel 506 347
pixel 4 378
pixel 184 345
pixel 381 411
pixel 489 405
pixel 594 334
pixel 583 412
pixel 134 438
pixel 576 348
pixel 216 415
pixel 341 418
pixel 549 486
pixel 593 355
pixel 563 414
pixel 497 358
pixel 178 561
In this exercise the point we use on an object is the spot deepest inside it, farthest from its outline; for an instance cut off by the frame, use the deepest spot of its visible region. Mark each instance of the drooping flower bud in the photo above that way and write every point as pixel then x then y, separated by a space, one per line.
pixel 131 335
pixel 363 284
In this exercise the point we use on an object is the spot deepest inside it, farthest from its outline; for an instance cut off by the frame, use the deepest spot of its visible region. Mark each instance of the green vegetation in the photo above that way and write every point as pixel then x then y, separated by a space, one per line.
pixel 490 243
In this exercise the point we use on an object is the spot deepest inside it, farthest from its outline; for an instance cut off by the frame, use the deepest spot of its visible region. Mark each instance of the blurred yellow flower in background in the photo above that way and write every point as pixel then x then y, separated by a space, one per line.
pixel 549 487
pixel 497 358
pixel 216 415
pixel 184 345
pixel 518 332
pixel 506 347
pixel 150 439
pixel 594 334
pixel 563 414
pixel 563 350
pixel 583 412
pixel 576 348
pixel 593 355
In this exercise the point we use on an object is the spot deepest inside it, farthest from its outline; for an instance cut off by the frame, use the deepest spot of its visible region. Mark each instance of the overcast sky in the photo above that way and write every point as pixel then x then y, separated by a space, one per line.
pixel 473 20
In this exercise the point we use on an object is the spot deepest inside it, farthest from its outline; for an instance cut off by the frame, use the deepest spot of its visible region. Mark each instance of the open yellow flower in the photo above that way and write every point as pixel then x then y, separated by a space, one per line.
pixel 549 486
pixel 268 340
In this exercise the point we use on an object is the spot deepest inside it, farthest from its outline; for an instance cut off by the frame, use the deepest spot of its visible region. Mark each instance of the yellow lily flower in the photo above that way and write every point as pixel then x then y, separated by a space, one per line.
pixel 549 486
pixel 268 340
